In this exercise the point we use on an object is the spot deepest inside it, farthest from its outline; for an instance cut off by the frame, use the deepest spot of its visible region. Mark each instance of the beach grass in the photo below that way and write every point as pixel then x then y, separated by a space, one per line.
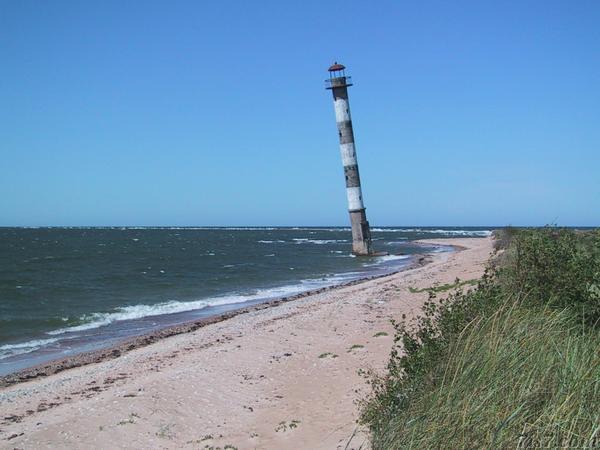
pixel 513 363
pixel 444 287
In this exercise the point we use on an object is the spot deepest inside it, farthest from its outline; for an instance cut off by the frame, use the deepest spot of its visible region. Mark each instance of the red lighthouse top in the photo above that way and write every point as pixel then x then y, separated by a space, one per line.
pixel 335 67
pixel 337 77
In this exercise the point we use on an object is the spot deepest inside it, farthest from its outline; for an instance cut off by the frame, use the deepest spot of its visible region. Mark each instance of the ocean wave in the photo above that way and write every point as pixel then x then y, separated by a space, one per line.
pixel 386 258
pixel 400 241
pixel 24 347
pixel 233 228
pixel 97 320
pixel 318 241
pixel 277 241
pixel 479 233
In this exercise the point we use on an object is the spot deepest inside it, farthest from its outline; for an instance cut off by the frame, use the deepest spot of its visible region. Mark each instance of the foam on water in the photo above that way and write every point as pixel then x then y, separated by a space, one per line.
pixel 385 259
pixel 24 347
pixel 471 233
pixel 318 241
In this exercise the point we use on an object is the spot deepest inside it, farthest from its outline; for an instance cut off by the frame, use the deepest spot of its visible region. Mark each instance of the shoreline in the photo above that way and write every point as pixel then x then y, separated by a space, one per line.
pixel 131 343
pixel 282 377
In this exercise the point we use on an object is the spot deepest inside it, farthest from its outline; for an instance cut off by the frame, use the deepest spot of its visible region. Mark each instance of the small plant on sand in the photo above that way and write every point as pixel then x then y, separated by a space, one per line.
pixel 284 426
pixel 327 355
pixel 165 432
pixel 226 447
pixel 355 347
pixel 380 334
pixel 129 420
pixel 444 287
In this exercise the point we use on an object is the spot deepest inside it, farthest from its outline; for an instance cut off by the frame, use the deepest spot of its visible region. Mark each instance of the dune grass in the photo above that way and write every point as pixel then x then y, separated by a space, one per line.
pixel 520 378
pixel 509 364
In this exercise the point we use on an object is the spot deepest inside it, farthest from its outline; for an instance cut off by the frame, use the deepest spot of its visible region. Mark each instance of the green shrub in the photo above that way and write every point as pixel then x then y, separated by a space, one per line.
pixel 558 267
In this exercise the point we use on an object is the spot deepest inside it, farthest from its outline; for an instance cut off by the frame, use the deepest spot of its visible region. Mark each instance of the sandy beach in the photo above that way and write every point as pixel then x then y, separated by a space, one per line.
pixel 282 377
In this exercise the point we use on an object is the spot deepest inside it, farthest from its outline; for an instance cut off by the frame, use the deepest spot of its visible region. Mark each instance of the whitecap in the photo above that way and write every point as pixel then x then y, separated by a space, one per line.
pixel 478 233
pixel 318 241
pixel 8 350
pixel 385 258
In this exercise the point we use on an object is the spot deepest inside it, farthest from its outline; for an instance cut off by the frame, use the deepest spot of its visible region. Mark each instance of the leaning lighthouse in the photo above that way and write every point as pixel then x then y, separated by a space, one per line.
pixel 338 82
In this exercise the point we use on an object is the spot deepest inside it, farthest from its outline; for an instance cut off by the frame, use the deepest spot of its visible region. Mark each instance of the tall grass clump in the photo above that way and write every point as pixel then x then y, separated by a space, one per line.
pixel 498 366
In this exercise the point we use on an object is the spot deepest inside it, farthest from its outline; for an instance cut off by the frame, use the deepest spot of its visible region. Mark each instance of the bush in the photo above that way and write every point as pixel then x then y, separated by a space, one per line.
pixel 558 267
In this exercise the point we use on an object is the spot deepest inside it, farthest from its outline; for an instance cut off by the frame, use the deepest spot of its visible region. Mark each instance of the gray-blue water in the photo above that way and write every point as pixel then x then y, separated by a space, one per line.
pixel 64 290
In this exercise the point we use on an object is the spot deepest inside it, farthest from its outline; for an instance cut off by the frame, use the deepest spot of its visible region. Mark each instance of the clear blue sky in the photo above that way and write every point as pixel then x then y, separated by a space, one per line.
pixel 215 113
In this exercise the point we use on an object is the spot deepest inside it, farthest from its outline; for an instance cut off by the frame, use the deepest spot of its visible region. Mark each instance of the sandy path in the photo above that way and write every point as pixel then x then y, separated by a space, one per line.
pixel 266 380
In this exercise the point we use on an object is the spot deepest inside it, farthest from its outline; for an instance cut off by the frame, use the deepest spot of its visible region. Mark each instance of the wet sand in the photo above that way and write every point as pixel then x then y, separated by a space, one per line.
pixel 274 376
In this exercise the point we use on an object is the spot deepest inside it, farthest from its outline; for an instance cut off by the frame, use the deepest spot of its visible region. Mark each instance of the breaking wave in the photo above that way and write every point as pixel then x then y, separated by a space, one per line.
pixel 24 347
pixel 97 320
pixel 318 241
pixel 386 258
pixel 467 233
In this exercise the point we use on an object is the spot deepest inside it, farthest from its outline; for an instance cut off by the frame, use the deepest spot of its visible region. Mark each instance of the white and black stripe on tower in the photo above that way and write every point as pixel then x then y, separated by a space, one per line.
pixel 338 83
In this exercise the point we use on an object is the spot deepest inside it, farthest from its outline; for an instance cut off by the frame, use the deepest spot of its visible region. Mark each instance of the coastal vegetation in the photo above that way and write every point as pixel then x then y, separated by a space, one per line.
pixel 380 334
pixel 443 287
pixel 355 347
pixel 512 362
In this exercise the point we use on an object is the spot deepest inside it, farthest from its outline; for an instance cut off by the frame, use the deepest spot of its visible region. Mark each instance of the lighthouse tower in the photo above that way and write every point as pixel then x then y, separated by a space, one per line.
pixel 338 83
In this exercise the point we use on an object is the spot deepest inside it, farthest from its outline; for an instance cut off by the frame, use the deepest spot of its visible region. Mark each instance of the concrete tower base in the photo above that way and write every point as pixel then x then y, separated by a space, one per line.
pixel 361 233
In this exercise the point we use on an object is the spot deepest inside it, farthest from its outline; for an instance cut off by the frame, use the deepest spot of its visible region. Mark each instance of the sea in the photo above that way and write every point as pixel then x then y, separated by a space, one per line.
pixel 65 291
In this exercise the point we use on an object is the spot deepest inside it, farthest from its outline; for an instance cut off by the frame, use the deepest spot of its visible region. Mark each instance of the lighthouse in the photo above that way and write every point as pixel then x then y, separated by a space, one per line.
pixel 338 83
